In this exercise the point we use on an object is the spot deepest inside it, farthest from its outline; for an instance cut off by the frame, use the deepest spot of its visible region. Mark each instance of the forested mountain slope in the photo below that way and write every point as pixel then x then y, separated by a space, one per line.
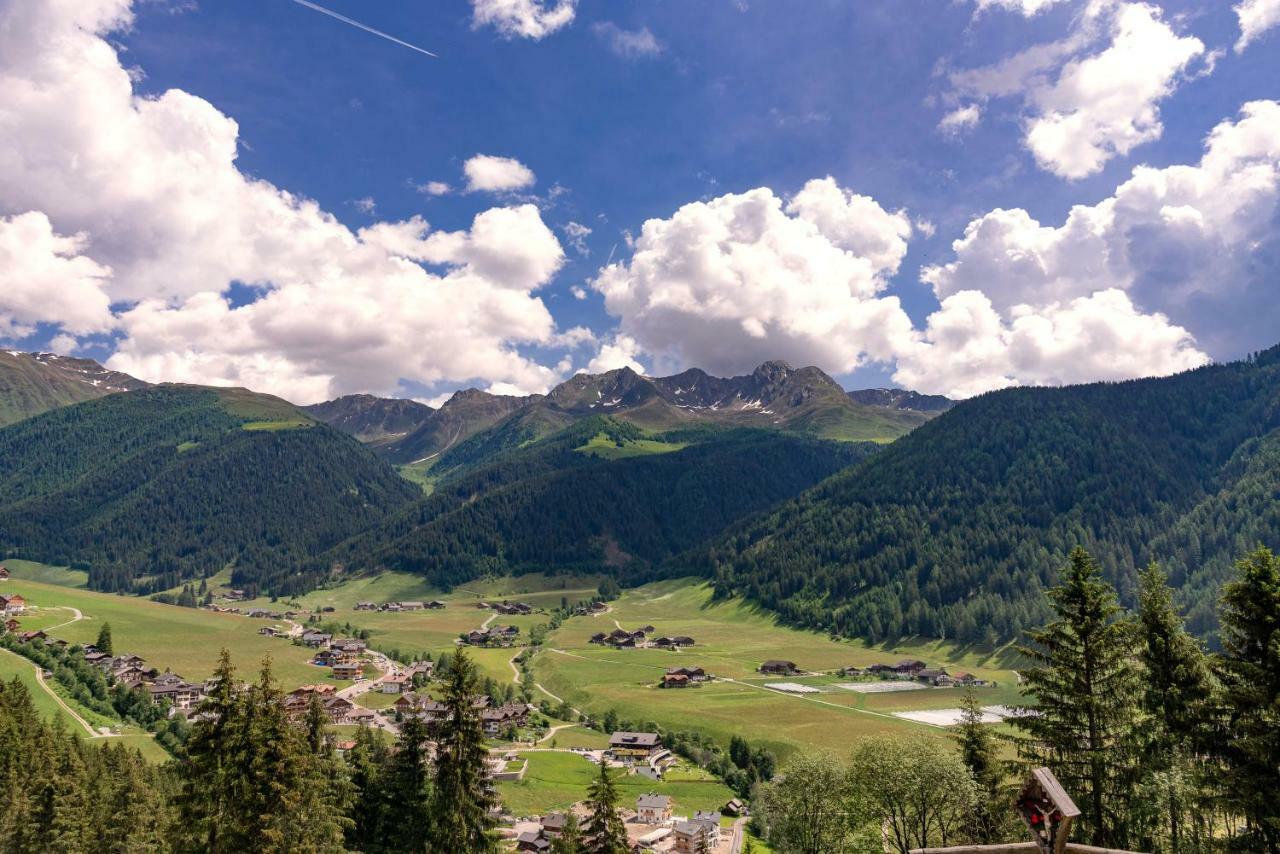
pixel 32 383
pixel 960 525
pixel 149 487
pixel 601 493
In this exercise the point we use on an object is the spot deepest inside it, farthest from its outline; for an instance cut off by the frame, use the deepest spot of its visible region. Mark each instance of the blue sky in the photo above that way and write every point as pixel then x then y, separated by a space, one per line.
pixel 630 112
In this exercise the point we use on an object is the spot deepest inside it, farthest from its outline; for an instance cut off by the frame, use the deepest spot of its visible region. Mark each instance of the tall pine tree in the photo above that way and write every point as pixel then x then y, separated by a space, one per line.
pixel 978 749
pixel 407 789
pixel 604 832
pixel 1249 668
pixel 462 795
pixel 1082 717
pixel 104 643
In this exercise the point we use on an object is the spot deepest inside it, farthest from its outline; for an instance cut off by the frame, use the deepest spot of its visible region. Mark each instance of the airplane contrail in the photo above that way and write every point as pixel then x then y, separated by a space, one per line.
pixel 379 33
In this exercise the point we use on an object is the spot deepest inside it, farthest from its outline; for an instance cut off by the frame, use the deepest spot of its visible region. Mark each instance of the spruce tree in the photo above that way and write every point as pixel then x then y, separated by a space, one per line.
pixel 104 640
pixel 462 795
pixel 570 839
pixel 1083 690
pixel 210 813
pixel 978 749
pixel 366 761
pixel 1177 690
pixel 605 832
pixel 1249 668
pixel 408 790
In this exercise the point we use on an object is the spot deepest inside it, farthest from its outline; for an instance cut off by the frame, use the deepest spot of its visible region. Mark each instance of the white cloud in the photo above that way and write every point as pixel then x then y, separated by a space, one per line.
pixel 960 119
pixel 1195 245
pixel 621 352
pixel 578 292
pixel 366 205
pixel 164 222
pixel 577 234
pixel 530 19
pixel 44 278
pixel 1026 7
pixel 729 283
pixel 434 188
pixel 1088 103
pixel 489 174
pixel 1256 17
pixel 968 347
pixel 628 44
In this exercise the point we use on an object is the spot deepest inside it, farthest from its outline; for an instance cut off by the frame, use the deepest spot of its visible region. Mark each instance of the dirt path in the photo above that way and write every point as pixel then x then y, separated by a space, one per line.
pixel 487 621
pixel 70 711
pixel 77 618
pixel 515 671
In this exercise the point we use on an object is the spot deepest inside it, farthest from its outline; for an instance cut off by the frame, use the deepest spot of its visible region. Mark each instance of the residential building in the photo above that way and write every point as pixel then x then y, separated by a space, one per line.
pixel 181 694
pixel 318 640
pixel 533 840
pixel 778 667
pixel 394 685
pixel 653 809
pixel 630 747
pixel 435 604
pixel 497 720
pixel 910 666
pixel 12 605
pixel 937 678
pixel 353 670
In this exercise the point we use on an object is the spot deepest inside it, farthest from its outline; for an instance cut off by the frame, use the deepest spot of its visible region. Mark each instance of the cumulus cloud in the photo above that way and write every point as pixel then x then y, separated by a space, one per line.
pixel 1095 95
pixel 434 188
pixel 488 174
pixel 1198 246
pixel 621 352
pixel 45 279
pixel 1256 17
pixel 729 283
pixel 1026 7
pixel 577 234
pixel 137 202
pixel 968 347
pixel 960 120
pixel 529 19
pixel 628 44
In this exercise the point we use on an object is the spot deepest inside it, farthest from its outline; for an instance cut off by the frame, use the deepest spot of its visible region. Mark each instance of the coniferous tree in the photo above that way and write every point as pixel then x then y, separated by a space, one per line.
pixel 1249 668
pixel 1083 689
pixel 211 817
pixel 104 640
pixel 408 790
pixel 462 796
pixel 1177 690
pixel 978 749
pixel 570 839
pixel 365 763
pixel 604 832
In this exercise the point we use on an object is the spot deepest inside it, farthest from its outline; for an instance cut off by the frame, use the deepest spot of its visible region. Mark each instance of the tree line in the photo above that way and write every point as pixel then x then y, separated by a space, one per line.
pixel 1163 746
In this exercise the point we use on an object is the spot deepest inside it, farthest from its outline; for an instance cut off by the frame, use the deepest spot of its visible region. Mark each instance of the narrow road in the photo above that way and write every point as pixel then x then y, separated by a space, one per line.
pixel 70 711
pixel 739 831
pixel 487 621
pixel 515 671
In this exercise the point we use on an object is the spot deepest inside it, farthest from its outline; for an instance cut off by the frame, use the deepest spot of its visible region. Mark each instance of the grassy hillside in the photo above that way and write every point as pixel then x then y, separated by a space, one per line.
pixel 957 528
pixel 32 383
pixel 151 487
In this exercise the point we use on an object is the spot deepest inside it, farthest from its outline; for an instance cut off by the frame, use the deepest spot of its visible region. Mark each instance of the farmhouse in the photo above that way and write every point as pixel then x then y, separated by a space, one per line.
pixel 426 668
pixel 12 605
pixel 435 604
pixel 318 640
pixel 493 636
pixel 366 606
pixel 172 687
pixel 553 824
pixel 909 666
pixel 411 606
pixel 353 670
pixel 674 680
pixel 350 645
pixel 778 667
pixel 937 678
pixel 599 637
pixel 533 840
pixel 629 747
pixel 852 671
pixel 702 832
pixel 653 809
pixel 679 677
pixel 970 679
pixel 512 608
pixel 734 807
pixel 502 717
pixel 395 685
pixel 28 637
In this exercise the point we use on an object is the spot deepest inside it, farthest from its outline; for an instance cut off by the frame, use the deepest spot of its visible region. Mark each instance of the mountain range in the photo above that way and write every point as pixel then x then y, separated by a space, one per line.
pixel 948 520
pixel 775 396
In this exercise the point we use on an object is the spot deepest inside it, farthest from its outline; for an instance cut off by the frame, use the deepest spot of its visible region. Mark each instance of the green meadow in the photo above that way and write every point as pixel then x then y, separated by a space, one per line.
pixel 185 640
pixel 732 639
pixel 557 780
